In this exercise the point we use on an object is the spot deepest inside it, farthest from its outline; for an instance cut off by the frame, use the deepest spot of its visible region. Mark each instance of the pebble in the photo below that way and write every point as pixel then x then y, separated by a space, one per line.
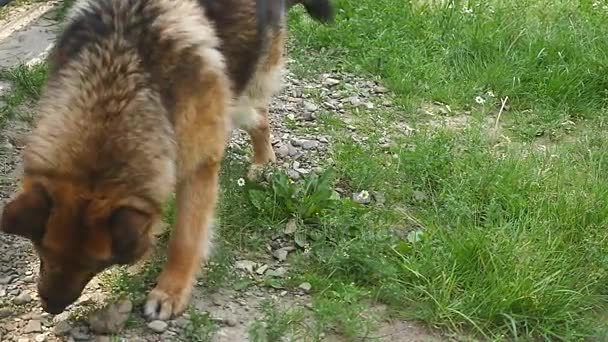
pixel 306 287
pixel 309 144
pixel 291 227
pixel 23 339
pixel 6 280
pixel 331 82
pixel 278 273
pixel 102 338
pixel 245 265
pixel 23 298
pixel 158 326
pixel 112 318
pixel 262 269
pixel 5 312
pixel 80 334
pixel 231 322
pixel 62 328
pixel 380 90
pixel 293 174
pixel 33 326
pixel 280 254
pixel 40 338
pixel 283 151
pixel 310 107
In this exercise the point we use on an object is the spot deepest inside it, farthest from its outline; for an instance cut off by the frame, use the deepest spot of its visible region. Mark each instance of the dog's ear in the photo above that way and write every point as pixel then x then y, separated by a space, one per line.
pixel 28 213
pixel 129 229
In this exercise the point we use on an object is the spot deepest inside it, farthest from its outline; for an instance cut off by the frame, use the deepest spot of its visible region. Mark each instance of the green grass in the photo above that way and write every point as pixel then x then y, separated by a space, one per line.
pixel 27 84
pixel 546 56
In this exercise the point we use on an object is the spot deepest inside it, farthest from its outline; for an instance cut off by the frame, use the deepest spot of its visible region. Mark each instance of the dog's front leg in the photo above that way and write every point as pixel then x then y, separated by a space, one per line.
pixel 189 244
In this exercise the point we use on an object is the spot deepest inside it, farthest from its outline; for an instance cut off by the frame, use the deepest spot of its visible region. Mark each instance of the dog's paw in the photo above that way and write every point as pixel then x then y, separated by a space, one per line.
pixel 164 305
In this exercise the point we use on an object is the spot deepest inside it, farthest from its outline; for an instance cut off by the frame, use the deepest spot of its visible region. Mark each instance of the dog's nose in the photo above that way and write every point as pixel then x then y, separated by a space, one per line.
pixel 54 306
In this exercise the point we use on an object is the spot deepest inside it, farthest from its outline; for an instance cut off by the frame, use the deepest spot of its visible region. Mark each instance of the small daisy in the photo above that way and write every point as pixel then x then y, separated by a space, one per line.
pixel 490 93
pixel 364 195
pixel 240 182
pixel 480 100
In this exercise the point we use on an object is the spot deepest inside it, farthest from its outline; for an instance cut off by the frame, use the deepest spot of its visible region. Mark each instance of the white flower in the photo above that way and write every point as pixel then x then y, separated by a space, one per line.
pixel 240 182
pixel 364 195
pixel 490 93
pixel 480 100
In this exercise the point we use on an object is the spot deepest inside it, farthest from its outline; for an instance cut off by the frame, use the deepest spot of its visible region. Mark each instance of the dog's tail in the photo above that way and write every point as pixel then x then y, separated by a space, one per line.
pixel 321 10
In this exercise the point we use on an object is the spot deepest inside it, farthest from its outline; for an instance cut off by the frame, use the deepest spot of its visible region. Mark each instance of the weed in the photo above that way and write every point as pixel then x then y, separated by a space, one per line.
pixel 275 324
pixel 200 328
pixel 27 83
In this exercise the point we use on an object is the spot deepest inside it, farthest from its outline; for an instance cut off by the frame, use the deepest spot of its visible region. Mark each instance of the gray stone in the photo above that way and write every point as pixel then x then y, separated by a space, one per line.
pixel 33 326
pixel 291 227
pixel 262 269
pixel 112 318
pixel 40 338
pixel 158 326
pixel 80 334
pixel 283 151
pixel 5 312
pixel 6 280
pixel 306 287
pixel 231 321
pixel 62 328
pixel 309 144
pixel 310 107
pixel 278 273
pixel 245 265
pixel 280 254
pixel 23 298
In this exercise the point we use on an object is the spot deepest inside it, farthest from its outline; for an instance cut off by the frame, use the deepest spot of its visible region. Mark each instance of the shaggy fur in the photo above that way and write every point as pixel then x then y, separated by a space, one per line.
pixel 139 103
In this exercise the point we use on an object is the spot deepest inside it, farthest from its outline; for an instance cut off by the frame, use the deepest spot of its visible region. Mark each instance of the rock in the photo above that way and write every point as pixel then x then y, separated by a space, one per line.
pixel 280 254
pixel 158 326
pixel 62 328
pixel 310 107
pixel 33 326
pixel 23 298
pixel 40 338
pixel 262 269
pixel 6 280
pixel 379 197
pixel 23 339
pixel 103 339
pixel 306 287
pixel 292 150
pixel 80 334
pixel 112 318
pixel 5 312
pixel 278 273
pixel 355 101
pixel 380 90
pixel 231 321
pixel 283 151
pixel 293 174
pixel 309 144
pixel 291 227
pixel 245 265
pixel 331 82
pixel 369 105
pixel 28 279
pixel 362 197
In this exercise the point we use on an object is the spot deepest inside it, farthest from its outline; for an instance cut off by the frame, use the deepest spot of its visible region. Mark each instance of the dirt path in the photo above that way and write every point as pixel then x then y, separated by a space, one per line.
pixel 226 315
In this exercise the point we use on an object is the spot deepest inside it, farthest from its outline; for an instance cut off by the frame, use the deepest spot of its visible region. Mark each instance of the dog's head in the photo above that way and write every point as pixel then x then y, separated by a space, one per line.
pixel 76 234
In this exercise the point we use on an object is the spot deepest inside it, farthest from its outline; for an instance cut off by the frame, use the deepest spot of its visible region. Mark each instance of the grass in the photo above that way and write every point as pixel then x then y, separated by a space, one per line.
pixel 27 83
pixel 493 239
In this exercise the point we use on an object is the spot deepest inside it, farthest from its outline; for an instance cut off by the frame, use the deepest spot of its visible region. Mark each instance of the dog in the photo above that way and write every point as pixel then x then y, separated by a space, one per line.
pixel 140 100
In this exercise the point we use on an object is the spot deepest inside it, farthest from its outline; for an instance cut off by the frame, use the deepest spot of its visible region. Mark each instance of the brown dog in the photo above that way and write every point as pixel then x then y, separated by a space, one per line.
pixel 139 104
